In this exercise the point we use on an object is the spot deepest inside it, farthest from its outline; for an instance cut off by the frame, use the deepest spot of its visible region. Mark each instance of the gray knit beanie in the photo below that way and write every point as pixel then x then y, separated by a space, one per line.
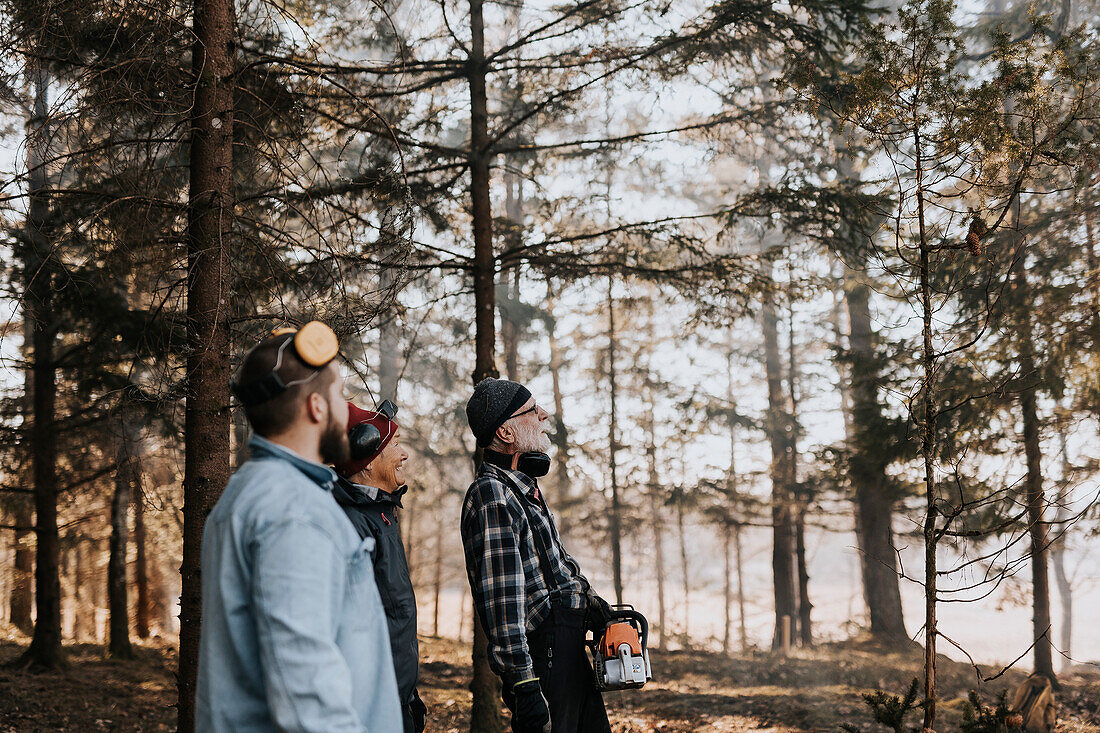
pixel 493 402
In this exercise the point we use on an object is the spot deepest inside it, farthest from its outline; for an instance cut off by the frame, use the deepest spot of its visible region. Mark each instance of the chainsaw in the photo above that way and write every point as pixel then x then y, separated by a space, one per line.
pixel 620 658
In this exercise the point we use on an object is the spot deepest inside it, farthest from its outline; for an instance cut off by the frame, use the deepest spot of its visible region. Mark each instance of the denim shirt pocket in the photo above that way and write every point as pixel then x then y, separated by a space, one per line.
pixel 361 582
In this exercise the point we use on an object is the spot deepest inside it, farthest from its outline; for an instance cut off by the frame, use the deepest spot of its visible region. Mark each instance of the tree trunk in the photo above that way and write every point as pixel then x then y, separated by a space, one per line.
pixel 437 583
pixel 874 502
pixel 389 330
pixel 615 520
pixel 45 650
pixel 560 436
pixel 685 577
pixel 1058 556
pixel 118 598
pixel 485 713
pixel 727 585
pixel 22 511
pixel 740 588
pixel 928 454
pixel 801 498
pixel 778 429
pixel 22 586
pixel 141 567
pixel 729 521
pixel 873 498
pixel 805 629
pixel 509 322
pixel 1036 500
pixel 84 582
pixel 1036 505
pixel 1065 591
pixel 657 520
pixel 209 232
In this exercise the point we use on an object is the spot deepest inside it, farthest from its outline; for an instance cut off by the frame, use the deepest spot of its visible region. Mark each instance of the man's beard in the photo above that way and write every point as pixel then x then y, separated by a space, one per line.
pixel 335 446
pixel 531 438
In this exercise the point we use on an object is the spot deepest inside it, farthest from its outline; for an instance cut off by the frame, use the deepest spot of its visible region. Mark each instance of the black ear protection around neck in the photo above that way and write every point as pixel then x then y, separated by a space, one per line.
pixel 314 343
pixel 366 437
pixel 532 463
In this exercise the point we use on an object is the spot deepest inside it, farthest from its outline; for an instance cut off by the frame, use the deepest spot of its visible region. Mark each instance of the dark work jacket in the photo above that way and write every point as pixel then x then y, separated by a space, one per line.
pixel 373 512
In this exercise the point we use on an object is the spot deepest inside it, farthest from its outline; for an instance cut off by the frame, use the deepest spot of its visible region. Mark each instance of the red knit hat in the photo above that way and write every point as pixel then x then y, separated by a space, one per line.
pixel 357 416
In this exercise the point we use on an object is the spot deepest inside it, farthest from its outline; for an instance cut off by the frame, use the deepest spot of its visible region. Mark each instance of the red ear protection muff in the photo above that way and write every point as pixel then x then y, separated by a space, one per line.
pixel 314 343
pixel 365 437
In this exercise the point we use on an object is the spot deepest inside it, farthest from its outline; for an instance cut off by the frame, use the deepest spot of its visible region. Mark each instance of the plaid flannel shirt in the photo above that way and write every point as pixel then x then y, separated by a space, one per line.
pixel 510 593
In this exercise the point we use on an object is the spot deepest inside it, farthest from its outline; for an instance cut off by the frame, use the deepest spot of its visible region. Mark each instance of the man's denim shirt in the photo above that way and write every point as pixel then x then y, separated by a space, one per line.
pixel 293 633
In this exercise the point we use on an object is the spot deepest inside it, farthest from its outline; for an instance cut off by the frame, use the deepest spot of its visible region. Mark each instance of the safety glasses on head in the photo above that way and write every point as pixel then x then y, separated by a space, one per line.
pixel 314 343
pixel 366 437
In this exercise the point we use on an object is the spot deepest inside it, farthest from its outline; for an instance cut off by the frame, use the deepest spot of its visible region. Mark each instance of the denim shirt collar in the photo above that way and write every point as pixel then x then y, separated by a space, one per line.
pixel 320 474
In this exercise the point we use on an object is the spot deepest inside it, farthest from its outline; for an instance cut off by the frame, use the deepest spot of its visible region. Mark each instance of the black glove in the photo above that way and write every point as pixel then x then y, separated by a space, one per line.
pixel 418 710
pixel 598 613
pixel 530 711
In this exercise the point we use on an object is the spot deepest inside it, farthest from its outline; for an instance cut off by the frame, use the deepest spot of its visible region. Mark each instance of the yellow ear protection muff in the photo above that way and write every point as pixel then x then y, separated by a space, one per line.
pixel 314 343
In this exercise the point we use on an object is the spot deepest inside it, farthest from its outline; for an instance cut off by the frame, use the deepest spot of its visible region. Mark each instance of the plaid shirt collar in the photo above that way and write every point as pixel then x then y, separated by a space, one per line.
pixel 528 486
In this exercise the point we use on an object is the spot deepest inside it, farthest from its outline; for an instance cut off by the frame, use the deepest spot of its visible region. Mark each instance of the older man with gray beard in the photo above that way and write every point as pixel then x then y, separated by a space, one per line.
pixel 529 593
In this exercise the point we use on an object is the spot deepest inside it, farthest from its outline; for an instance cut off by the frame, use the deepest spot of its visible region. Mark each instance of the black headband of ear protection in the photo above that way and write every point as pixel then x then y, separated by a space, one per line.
pixel 314 343
pixel 532 463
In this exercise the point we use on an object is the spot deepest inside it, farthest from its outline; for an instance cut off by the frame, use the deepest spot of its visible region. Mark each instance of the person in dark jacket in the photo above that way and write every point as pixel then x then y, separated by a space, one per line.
pixel 369 491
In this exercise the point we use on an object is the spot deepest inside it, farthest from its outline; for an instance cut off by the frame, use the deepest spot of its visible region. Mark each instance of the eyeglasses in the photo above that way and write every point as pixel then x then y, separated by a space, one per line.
pixel 533 408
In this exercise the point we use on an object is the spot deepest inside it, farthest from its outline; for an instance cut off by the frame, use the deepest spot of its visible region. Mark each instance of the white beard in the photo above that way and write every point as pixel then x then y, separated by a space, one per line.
pixel 531 438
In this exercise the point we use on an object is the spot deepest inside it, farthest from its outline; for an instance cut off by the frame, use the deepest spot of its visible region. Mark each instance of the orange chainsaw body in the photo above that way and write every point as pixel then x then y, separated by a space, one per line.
pixel 620 659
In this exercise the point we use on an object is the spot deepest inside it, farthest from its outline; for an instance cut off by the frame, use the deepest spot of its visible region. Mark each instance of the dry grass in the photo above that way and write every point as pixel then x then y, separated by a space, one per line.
pixel 695 692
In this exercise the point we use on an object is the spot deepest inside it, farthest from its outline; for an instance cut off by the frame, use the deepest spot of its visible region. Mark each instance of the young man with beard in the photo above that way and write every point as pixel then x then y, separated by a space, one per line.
pixel 529 593
pixel 293 632
pixel 369 491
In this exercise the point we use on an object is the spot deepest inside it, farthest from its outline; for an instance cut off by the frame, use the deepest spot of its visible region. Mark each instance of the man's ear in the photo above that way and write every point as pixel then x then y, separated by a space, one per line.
pixel 505 435
pixel 316 407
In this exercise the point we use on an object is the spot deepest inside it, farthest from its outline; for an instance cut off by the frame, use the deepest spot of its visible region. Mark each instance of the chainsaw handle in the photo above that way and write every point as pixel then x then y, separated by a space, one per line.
pixel 627 613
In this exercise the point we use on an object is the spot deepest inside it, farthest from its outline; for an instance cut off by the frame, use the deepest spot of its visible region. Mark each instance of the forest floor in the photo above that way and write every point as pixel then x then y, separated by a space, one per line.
pixel 693 691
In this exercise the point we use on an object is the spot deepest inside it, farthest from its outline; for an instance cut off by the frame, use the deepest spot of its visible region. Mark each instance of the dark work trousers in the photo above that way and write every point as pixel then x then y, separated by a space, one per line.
pixel 565 674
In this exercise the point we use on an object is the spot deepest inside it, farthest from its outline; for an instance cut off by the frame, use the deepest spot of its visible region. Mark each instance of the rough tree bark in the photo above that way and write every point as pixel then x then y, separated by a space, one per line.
pixel 485 712
pixel 45 650
pixel 209 232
